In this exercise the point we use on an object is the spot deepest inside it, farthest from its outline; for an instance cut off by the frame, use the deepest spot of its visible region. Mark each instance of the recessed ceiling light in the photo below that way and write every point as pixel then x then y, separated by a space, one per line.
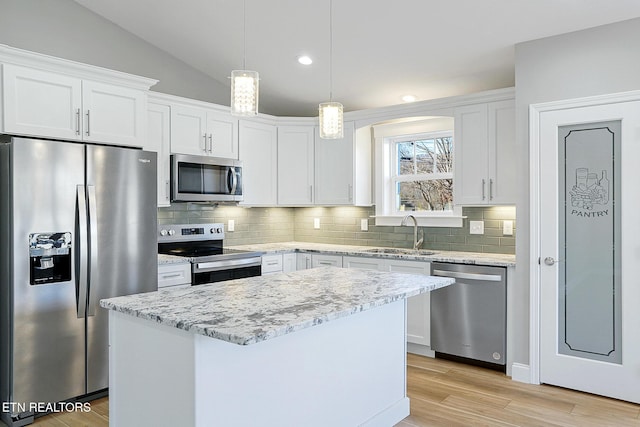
pixel 305 60
pixel 409 98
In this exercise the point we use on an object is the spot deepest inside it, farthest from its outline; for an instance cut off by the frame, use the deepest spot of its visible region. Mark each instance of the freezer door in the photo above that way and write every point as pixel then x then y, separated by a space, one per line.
pixel 121 189
pixel 47 333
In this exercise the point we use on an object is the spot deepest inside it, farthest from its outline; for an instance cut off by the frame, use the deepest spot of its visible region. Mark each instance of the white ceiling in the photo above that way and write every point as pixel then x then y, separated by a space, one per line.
pixel 382 49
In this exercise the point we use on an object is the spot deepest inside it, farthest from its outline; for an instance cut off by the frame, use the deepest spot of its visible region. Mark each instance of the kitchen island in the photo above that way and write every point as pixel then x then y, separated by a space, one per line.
pixel 315 347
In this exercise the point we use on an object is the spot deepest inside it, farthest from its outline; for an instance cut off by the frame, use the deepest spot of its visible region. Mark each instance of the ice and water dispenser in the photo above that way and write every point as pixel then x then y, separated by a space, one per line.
pixel 50 257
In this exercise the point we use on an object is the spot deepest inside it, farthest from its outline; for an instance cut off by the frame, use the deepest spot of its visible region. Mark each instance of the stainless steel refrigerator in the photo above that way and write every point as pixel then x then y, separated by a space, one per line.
pixel 77 224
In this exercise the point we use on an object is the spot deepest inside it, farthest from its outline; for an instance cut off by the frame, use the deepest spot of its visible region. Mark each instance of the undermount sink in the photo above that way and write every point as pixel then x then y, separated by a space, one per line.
pixel 399 251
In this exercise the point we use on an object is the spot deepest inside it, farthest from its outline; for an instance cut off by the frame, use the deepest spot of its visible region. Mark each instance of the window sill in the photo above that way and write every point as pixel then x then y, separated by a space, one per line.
pixel 423 221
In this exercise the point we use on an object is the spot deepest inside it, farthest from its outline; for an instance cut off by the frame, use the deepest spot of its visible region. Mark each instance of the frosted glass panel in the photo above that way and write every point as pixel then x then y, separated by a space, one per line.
pixel 589 242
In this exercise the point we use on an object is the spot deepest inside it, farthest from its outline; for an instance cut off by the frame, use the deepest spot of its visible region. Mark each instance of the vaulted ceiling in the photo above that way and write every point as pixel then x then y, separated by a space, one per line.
pixel 382 49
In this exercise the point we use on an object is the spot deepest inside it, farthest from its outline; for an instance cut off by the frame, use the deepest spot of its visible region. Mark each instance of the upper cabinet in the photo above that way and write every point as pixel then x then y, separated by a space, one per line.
pixel 258 144
pixel 343 169
pixel 484 157
pixel 44 96
pixel 203 132
pixel 295 165
pixel 158 141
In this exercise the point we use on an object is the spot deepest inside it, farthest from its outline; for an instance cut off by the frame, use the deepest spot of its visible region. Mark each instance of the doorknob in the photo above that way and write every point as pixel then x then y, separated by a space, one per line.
pixel 550 261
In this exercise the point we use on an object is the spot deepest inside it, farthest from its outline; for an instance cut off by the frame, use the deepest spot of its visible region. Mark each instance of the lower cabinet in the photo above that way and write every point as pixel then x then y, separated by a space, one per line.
pixel 320 260
pixel 278 263
pixel 418 307
pixel 174 275
pixel 303 261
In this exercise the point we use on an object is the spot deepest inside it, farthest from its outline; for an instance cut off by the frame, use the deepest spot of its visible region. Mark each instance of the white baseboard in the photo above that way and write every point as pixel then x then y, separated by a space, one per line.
pixel 422 350
pixel 521 373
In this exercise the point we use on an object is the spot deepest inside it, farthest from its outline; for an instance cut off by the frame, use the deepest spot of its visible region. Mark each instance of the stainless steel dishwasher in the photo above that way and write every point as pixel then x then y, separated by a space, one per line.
pixel 468 318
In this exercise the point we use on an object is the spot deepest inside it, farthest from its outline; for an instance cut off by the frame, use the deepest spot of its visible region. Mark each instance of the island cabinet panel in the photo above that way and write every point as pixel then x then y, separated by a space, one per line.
pixel 201 381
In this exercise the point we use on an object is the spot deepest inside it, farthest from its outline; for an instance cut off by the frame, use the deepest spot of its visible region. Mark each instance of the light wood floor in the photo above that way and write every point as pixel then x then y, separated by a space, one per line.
pixel 450 394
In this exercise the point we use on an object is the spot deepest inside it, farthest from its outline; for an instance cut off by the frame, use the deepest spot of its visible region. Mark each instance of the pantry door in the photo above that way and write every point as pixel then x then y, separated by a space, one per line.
pixel 588 249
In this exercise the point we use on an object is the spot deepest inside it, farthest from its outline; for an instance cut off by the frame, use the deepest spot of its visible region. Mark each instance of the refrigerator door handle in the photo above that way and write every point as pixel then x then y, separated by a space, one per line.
pixel 93 248
pixel 82 260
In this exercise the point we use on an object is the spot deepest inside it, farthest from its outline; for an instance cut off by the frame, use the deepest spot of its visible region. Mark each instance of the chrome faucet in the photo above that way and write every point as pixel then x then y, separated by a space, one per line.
pixel 416 243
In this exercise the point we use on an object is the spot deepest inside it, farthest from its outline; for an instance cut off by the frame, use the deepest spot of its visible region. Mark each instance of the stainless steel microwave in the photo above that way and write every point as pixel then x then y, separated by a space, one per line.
pixel 205 179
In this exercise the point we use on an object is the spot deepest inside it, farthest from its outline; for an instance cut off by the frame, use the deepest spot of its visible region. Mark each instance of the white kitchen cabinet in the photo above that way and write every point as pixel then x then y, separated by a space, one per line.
pixel 484 154
pixel 321 260
pixel 203 132
pixel 289 262
pixel 158 119
pixel 303 261
pixel 363 263
pixel 419 306
pixel 55 105
pixel 176 274
pixel 271 264
pixel 343 169
pixel 295 165
pixel 258 149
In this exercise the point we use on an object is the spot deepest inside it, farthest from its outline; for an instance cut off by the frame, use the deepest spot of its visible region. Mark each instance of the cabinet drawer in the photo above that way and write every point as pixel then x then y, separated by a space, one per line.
pixel 174 274
pixel 271 264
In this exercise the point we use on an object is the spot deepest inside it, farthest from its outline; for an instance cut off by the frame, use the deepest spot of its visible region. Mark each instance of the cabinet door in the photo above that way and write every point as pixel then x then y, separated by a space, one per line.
pixel 364 263
pixel 289 262
pixel 303 261
pixel 222 130
pixel 158 141
pixel 334 168
pixel 471 185
pixel 419 306
pixel 41 103
pixel 271 264
pixel 295 165
pixel 188 130
pixel 319 260
pixel 502 155
pixel 114 114
pixel 258 147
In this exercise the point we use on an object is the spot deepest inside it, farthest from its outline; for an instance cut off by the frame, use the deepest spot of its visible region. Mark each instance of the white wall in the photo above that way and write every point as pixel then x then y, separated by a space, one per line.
pixel 64 29
pixel 596 61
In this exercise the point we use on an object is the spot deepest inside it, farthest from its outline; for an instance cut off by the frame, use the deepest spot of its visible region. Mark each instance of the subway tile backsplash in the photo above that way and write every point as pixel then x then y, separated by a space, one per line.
pixel 341 225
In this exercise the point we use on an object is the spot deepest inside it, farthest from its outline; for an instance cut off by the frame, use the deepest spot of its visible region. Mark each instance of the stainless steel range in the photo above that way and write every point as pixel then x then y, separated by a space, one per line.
pixel 210 260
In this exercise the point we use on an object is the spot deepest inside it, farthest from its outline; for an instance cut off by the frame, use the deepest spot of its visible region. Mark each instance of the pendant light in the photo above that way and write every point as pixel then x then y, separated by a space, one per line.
pixel 331 113
pixel 244 83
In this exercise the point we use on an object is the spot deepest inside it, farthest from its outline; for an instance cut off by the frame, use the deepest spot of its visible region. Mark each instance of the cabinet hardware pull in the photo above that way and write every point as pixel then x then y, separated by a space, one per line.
pixel 169 276
pixel 78 121
pixel 483 186
pixel 88 118
pixel 205 142
pixel 350 192
pixel 491 189
pixel 166 195
pixel 211 143
pixel 311 193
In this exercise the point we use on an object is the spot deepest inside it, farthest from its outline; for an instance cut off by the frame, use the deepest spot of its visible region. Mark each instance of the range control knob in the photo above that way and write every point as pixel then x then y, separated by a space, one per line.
pixel 172 232
pixel 163 232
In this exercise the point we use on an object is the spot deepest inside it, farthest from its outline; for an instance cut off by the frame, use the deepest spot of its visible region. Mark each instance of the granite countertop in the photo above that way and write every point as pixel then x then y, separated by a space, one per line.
pixel 498 260
pixel 171 259
pixel 247 311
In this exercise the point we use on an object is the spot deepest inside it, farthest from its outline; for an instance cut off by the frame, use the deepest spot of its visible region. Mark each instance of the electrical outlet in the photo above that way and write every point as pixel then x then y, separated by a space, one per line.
pixel 231 225
pixel 364 224
pixel 476 227
pixel 316 223
pixel 507 228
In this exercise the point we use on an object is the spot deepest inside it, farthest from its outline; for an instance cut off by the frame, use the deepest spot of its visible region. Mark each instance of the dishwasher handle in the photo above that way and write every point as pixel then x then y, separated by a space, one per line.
pixel 469 276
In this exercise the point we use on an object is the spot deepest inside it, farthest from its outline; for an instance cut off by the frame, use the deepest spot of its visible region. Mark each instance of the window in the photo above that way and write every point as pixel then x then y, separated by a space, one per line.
pixel 414 172
pixel 422 176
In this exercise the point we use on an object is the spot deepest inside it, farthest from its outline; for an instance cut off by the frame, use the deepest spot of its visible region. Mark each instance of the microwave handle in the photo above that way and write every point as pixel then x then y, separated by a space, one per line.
pixel 232 180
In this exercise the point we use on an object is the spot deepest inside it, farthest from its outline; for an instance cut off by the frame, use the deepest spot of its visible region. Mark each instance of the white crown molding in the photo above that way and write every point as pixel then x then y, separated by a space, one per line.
pixel 25 58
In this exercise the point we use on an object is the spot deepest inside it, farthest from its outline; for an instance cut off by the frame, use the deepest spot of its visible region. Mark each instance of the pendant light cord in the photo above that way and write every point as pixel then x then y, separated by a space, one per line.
pixel 244 34
pixel 330 50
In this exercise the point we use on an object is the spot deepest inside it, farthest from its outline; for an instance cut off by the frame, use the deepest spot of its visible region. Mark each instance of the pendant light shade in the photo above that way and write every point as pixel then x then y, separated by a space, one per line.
pixel 331 113
pixel 244 93
pixel 331 120
pixel 244 83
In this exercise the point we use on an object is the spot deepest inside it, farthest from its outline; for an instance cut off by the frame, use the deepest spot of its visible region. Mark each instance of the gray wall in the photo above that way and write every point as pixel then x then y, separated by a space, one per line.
pixel 596 61
pixel 64 29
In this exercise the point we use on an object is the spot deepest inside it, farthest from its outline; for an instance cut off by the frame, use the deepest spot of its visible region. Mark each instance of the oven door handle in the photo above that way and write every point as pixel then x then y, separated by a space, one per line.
pixel 201 267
